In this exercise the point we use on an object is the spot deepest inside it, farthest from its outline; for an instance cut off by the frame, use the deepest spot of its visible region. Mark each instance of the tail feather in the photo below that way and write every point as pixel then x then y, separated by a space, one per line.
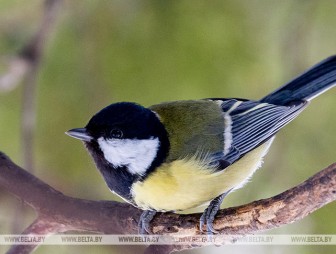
pixel 307 86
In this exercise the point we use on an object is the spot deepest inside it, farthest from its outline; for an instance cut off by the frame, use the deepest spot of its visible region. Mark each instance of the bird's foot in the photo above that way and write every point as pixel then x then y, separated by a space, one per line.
pixel 209 214
pixel 144 221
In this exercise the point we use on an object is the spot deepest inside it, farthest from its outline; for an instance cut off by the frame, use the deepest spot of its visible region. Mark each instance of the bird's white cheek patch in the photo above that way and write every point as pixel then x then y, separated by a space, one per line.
pixel 136 154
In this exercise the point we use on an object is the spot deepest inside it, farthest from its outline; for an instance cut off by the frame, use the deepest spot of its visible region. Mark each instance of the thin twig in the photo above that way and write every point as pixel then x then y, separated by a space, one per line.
pixel 25 66
pixel 33 53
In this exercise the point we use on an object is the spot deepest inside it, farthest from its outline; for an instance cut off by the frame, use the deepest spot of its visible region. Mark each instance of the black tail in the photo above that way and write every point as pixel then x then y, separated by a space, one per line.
pixel 307 86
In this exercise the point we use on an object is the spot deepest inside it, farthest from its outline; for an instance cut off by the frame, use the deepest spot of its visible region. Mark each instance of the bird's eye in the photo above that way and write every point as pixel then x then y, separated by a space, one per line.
pixel 116 133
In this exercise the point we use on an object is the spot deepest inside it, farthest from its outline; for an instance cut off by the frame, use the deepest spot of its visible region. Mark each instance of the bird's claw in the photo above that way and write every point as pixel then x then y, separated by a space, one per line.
pixel 209 214
pixel 144 222
pixel 207 218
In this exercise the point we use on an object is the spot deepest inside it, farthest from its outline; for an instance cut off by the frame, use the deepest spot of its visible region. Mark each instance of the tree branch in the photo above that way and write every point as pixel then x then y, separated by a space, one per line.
pixel 25 67
pixel 57 212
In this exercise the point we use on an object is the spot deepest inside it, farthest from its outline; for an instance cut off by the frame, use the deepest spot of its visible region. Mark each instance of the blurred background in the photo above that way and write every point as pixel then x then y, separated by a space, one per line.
pixel 100 52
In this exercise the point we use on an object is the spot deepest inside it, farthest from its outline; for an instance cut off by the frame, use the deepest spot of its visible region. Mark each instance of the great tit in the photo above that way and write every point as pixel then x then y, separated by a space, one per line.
pixel 183 154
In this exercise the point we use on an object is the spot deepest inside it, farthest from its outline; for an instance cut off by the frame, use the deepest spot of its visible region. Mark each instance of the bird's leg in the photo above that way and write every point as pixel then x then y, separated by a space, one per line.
pixel 144 221
pixel 210 212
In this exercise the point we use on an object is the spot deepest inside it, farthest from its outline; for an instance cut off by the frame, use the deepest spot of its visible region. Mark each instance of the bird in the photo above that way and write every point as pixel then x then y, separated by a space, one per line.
pixel 178 155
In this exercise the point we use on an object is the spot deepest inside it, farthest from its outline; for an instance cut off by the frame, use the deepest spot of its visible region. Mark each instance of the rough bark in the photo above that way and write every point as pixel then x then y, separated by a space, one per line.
pixel 57 212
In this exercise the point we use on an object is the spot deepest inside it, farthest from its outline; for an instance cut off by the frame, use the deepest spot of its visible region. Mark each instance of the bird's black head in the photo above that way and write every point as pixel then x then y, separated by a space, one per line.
pixel 125 140
pixel 125 120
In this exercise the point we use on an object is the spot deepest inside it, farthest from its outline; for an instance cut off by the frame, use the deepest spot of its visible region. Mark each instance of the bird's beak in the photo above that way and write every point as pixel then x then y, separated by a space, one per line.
pixel 80 133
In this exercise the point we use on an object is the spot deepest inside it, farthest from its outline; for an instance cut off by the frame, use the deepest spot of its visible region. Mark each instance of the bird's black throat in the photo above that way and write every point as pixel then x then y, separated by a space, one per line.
pixel 118 179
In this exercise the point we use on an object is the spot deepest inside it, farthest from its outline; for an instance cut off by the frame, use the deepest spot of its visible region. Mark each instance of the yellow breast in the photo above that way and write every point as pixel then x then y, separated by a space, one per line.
pixel 188 183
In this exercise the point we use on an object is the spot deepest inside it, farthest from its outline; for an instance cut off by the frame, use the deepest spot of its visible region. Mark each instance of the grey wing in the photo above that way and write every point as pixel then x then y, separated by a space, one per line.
pixel 249 124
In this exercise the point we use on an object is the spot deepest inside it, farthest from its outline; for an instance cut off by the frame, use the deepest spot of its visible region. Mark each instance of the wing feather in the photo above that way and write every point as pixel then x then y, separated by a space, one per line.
pixel 252 123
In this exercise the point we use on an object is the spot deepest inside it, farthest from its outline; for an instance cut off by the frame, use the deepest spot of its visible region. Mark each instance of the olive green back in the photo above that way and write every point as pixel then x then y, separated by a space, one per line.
pixel 194 127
